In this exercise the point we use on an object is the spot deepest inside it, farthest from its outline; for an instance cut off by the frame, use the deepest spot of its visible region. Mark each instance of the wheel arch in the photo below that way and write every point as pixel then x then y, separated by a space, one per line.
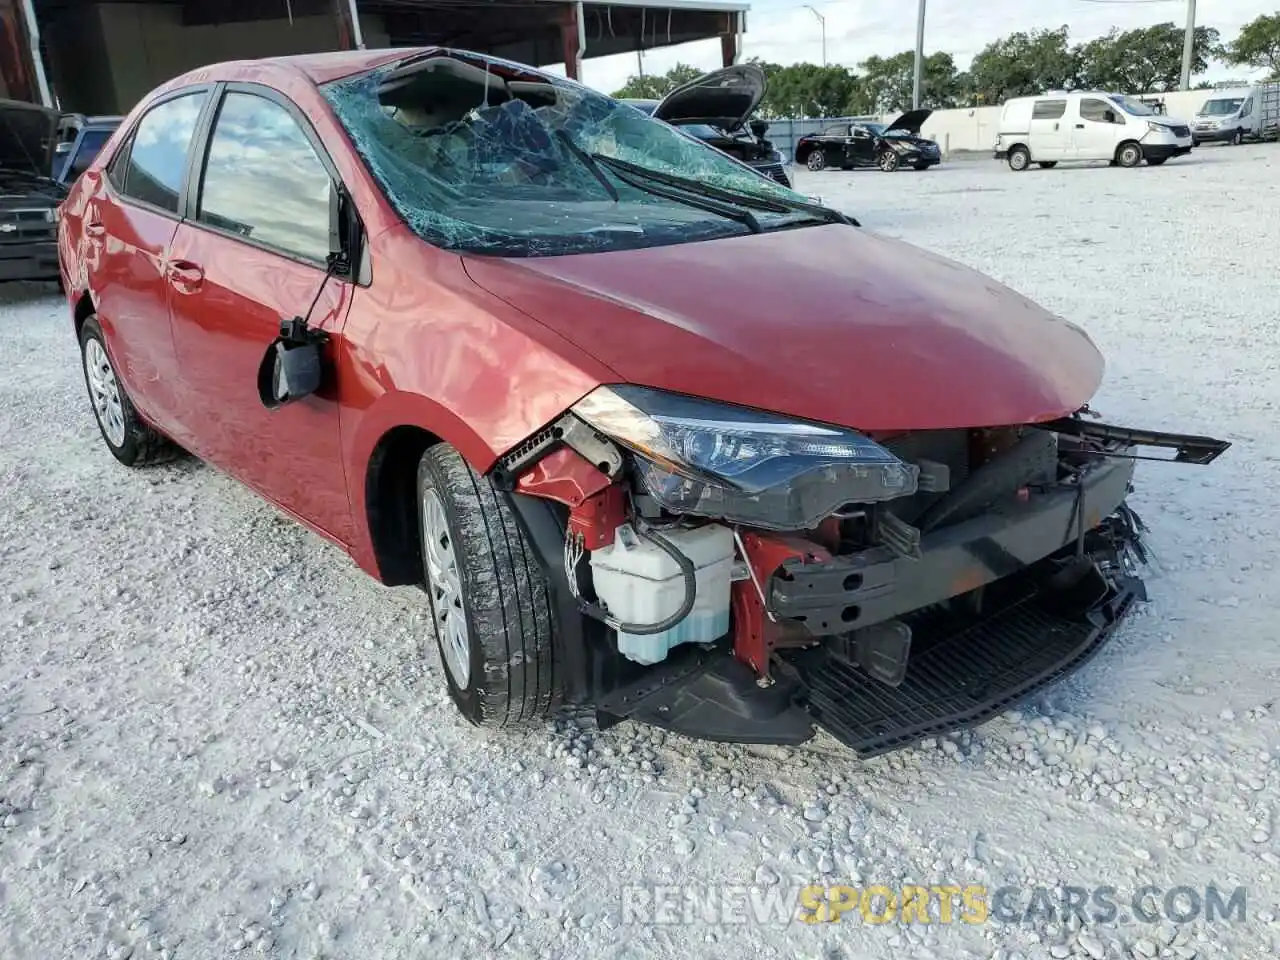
pixel 83 311
pixel 1125 143
pixel 803 150
pixel 390 502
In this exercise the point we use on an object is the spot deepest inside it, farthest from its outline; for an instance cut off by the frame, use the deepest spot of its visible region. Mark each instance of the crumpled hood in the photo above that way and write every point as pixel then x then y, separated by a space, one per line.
pixel 827 323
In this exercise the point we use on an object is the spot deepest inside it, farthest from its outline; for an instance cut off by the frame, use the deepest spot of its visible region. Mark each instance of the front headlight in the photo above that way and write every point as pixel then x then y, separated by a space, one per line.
pixel 1157 128
pixel 745 466
pixel 902 146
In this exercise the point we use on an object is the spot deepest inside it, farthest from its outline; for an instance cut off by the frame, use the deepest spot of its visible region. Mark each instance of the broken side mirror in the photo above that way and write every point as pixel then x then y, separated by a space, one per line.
pixel 293 366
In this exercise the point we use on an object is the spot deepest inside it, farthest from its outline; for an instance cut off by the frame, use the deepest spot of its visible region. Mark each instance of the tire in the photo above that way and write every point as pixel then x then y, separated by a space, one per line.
pixel 1129 154
pixel 1019 159
pixel 1237 138
pixel 1156 161
pixel 817 160
pixel 1047 164
pixel 888 161
pixel 127 436
pixel 481 577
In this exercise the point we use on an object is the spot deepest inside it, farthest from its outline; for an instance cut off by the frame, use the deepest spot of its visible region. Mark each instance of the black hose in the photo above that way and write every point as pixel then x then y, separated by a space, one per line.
pixel 687 572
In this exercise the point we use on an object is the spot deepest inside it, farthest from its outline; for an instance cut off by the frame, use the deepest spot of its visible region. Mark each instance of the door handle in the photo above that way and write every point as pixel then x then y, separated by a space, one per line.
pixel 95 228
pixel 1079 126
pixel 185 276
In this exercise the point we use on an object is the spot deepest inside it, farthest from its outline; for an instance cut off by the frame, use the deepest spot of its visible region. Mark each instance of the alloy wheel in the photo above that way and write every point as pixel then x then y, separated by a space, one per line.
pixel 445 585
pixel 104 392
pixel 888 161
pixel 816 160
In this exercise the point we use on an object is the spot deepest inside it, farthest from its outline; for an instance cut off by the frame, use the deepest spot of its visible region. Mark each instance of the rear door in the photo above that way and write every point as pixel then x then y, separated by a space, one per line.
pixel 1097 130
pixel 862 147
pixel 128 227
pixel 252 252
pixel 1048 130
pixel 836 145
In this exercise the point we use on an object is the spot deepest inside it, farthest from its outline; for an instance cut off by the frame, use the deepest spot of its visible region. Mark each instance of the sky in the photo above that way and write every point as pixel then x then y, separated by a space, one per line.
pixel 783 31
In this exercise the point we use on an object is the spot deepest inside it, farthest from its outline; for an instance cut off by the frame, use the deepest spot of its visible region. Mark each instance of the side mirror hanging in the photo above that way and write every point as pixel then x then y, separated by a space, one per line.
pixel 293 366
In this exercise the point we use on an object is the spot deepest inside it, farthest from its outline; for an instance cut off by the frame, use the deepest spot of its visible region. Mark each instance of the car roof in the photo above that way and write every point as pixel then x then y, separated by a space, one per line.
pixel 317 67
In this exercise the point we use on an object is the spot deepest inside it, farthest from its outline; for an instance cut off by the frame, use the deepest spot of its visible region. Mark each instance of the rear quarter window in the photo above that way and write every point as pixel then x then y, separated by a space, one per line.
pixel 1049 110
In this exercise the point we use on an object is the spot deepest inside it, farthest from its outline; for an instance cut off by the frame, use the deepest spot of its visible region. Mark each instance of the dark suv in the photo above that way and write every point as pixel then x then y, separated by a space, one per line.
pixel 29 196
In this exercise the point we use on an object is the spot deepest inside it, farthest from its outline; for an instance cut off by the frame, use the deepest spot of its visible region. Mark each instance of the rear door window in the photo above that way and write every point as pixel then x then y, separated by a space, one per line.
pixel 157 156
pixel 840 130
pixel 1049 109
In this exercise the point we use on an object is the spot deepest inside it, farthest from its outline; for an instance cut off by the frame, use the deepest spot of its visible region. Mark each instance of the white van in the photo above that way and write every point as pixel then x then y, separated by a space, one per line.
pixel 1229 116
pixel 1087 126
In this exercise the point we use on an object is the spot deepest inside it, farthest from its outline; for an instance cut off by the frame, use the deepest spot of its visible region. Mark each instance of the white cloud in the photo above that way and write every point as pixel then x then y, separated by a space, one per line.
pixel 785 32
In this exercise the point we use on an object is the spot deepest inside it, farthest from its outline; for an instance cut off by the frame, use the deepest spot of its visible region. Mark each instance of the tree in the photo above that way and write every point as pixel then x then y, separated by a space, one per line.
pixel 807 90
pixel 886 84
pixel 1022 64
pixel 1257 46
pixel 653 87
pixel 1146 59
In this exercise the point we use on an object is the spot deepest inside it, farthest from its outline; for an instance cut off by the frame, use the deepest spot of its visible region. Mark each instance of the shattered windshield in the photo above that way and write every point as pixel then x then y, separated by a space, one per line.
pixel 487 156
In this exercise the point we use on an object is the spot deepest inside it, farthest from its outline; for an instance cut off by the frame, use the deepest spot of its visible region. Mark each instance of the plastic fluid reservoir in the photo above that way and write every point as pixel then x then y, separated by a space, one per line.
pixel 640 583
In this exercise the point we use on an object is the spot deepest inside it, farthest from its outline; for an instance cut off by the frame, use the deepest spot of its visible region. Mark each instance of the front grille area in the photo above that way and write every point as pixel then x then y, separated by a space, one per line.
pixel 25 226
pixel 775 172
pixel 1180 131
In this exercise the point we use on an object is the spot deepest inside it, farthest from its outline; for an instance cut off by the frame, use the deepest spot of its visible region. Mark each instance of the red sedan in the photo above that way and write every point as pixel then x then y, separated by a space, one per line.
pixel 656 434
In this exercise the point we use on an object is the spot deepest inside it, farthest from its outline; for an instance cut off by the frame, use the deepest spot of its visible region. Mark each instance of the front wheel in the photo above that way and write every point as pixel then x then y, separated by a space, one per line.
pixel 1019 159
pixel 816 161
pixel 128 438
pixel 1129 155
pixel 489 600
pixel 1237 138
pixel 888 161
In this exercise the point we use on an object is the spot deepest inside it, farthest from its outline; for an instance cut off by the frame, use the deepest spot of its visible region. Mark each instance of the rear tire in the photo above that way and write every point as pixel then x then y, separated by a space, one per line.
pixel 1047 164
pixel 127 436
pixel 1019 159
pixel 489 600
pixel 816 161
pixel 1129 154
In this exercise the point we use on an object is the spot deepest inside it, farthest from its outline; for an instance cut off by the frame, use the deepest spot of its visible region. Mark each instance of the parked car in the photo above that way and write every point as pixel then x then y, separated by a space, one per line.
pixel 79 140
pixel 1228 116
pixel 717 109
pixel 865 143
pixel 465 320
pixel 1087 126
pixel 29 197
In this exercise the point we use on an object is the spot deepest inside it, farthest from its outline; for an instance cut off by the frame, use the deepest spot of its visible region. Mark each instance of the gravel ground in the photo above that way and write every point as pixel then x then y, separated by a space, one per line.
pixel 216 735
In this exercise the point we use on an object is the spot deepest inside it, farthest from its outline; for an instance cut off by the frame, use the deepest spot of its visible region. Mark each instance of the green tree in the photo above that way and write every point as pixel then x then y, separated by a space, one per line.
pixel 1022 64
pixel 655 87
pixel 807 90
pixel 886 84
pixel 1146 59
pixel 1257 46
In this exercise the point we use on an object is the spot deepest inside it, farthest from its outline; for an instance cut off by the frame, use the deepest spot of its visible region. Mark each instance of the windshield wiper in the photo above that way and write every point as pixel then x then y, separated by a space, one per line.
pixel 587 161
pixel 690 198
pixel 770 204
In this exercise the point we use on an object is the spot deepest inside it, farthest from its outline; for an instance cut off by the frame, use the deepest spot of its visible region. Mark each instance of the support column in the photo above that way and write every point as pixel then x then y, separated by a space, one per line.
pixel 20 67
pixel 730 41
pixel 573 40
pixel 348 18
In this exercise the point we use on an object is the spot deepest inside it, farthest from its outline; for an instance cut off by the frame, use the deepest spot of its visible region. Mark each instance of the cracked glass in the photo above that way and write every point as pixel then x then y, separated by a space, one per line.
pixel 488 156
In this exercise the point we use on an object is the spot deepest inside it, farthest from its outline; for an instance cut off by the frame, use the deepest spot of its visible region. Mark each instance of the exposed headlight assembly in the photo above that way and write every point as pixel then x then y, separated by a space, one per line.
pixel 745 466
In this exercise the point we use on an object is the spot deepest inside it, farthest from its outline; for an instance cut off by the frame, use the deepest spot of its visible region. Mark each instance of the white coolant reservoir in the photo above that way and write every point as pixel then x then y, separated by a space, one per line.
pixel 640 583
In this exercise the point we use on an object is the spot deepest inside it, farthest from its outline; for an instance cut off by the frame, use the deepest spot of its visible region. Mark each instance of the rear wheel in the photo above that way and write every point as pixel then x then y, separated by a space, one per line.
pixel 816 161
pixel 128 438
pixel 489 600
pixel 888 161
pixel 1019 159
pixel 1129 155
pixel 1047 164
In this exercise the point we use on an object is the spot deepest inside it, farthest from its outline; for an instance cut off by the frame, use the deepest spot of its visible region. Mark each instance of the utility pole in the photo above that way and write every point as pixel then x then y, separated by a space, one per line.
pixel 1188 45
pixel 915 87
pixel 822 22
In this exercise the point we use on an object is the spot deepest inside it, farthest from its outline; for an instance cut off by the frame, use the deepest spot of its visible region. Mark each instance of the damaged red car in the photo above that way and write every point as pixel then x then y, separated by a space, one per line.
pixel 468 321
